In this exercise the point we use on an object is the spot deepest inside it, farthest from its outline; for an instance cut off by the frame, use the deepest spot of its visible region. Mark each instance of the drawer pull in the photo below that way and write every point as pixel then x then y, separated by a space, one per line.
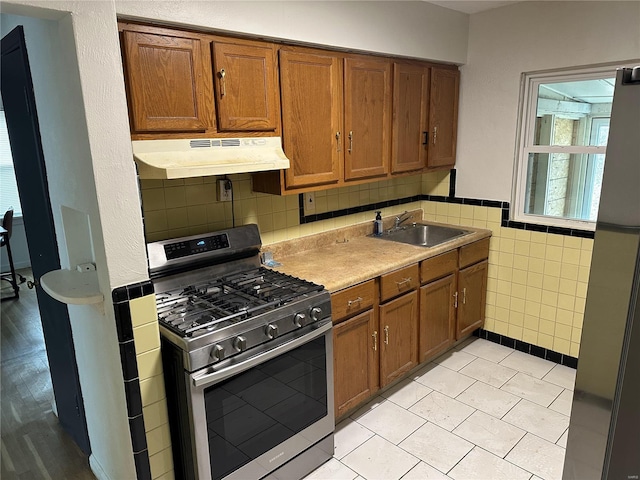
pixel 386 335
pixel 375 340
pixel 464 296
pixel 404 281
pixel 455 300
pixel 353 302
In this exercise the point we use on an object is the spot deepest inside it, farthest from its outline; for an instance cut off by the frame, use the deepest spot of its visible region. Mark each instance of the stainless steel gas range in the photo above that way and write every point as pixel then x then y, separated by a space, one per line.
pixel 248 360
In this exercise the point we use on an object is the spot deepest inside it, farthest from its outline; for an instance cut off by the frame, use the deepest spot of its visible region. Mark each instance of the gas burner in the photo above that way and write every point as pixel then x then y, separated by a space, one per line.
pixel 216 303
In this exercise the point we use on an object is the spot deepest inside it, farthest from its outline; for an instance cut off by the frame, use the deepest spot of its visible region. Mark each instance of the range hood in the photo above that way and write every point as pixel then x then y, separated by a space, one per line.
pixel 167 159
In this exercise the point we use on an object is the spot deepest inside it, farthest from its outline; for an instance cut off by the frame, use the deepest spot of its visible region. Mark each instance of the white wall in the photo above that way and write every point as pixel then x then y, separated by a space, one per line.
pixel 412 29
pixel 70 173
pixel 525 37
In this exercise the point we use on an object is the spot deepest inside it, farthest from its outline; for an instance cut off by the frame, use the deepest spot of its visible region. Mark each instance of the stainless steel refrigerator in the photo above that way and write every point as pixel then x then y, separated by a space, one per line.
pixel 604 430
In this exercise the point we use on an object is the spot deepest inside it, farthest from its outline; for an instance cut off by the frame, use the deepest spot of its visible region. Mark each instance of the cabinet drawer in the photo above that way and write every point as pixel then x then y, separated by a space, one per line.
pixel 474 252
pixel 400 281
pixel 352 300
pixel 436 267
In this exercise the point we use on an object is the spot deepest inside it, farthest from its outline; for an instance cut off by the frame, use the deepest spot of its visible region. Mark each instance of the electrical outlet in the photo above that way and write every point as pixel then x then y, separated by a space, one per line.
pixel 225 192
pixel 309 203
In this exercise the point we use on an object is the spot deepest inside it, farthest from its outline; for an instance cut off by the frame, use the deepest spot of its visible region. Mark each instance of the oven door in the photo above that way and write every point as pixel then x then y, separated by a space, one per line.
pixel 251 414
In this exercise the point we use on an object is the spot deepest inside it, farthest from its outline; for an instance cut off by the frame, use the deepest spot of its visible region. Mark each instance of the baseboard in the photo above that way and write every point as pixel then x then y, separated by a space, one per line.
pixel 97 469
pixel 529 348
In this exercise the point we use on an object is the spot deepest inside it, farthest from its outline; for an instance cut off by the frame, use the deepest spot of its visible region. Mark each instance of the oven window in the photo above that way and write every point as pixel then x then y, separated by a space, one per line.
pixel 260 408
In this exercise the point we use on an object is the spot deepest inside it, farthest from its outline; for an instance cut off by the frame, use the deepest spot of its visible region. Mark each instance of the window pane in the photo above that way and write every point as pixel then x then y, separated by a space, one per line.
pixel 564 185
pixel 566 110
pixel 8 189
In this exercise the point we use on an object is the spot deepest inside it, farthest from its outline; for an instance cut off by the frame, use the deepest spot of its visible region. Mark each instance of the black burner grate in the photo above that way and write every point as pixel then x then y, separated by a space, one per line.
pixel 216 303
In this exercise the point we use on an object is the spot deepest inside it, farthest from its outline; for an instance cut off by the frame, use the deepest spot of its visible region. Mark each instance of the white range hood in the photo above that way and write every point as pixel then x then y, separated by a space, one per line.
pixel 167 159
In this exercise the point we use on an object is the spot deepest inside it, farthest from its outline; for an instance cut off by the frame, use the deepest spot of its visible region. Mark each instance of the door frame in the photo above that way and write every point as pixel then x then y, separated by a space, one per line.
pixel 55 321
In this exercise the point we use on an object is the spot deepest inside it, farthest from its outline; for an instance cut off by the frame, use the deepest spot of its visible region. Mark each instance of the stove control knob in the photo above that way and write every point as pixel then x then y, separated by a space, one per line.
pixel 240 343
pixel 271 330
pixel 217 352
pixel 299 319
pixel 315 313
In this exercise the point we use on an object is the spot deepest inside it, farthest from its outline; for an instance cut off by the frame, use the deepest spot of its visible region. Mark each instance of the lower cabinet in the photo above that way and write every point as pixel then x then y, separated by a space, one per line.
pixel 355 360
pixel 384 327
pixel 437 316
pixel 453 297
pixel 399 337
pixel 472 293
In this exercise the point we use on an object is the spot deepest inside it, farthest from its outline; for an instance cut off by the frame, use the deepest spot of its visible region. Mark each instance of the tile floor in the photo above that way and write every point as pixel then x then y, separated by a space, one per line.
pixel 480 411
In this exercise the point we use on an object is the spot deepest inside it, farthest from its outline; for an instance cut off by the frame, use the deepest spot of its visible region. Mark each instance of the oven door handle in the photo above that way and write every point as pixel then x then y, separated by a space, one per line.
pixel 211 378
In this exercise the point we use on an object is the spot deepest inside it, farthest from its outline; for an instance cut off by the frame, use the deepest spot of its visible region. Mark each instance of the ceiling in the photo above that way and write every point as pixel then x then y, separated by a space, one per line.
pixel 472 6
pixel 585 91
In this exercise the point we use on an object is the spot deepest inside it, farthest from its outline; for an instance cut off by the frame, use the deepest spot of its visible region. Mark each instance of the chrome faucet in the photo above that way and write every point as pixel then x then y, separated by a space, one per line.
pixel 400 219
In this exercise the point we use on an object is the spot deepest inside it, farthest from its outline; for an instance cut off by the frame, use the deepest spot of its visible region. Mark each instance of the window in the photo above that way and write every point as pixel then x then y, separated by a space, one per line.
pixel 8 188
pixel 562 145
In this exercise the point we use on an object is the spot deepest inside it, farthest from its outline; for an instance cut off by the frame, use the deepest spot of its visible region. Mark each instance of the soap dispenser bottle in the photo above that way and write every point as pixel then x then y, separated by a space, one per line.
pixel 377 225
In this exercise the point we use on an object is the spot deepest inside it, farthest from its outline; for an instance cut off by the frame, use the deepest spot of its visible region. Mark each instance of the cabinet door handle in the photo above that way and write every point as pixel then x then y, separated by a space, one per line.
pixel 455 300
pixel 435 134
pixel 354 301
pixel 404 281
pixel 375 340
pixel 223 87
pixel 464 296
pixel 350 141
pixel 426 138
pixel 338 146
pixel 386 335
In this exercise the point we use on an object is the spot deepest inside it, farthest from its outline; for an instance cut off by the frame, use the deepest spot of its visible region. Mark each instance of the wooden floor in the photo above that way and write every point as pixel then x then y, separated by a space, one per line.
pixel 34 446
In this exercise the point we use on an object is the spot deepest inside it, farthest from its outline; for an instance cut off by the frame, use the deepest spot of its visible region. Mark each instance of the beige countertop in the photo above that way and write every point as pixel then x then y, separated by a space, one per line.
pixel 345 257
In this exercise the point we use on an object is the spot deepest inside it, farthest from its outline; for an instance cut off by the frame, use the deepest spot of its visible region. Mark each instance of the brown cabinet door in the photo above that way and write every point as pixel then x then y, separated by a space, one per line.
pixel 437 316
pixel 355 361
pixel 443 117
pixel 246 87
pixel 472 294
pixel 367 118
pixel 165 82
pixel 410 111
pixel 398 337
pixel 311 117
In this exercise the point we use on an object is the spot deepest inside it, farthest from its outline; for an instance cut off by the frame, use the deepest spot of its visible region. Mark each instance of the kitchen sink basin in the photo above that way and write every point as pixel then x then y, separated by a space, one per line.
pixel 423 235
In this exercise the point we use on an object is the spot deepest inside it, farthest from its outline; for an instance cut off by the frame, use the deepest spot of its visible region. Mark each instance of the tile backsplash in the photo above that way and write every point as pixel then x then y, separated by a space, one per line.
pixel 175 208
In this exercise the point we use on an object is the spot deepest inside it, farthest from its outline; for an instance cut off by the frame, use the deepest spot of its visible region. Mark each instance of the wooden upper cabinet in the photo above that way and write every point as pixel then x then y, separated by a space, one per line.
pixel 165 82
pixel 311 99
pixel 410 115
pixel 443 117
pixel 367 117
pixel 245 81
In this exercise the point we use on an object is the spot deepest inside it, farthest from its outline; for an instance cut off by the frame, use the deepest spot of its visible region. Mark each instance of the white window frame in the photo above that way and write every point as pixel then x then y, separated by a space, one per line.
pixel 527 110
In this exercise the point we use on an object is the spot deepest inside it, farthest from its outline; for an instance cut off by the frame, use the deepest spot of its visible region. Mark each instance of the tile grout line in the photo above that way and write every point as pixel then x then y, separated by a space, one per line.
pixel 381 399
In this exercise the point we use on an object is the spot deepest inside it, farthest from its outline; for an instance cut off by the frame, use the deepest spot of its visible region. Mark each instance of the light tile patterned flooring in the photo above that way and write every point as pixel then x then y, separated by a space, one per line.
pixel 480 411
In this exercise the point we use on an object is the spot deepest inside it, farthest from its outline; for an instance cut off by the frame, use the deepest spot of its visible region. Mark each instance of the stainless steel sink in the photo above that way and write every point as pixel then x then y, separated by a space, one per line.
pixel 422 234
